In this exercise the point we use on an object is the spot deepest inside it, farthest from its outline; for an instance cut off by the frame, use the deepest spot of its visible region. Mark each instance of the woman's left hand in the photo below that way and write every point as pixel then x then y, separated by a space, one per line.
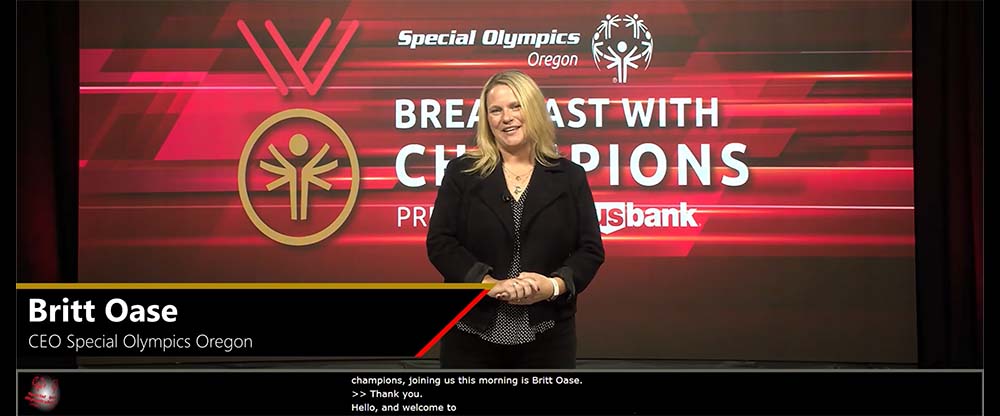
pixel 542 288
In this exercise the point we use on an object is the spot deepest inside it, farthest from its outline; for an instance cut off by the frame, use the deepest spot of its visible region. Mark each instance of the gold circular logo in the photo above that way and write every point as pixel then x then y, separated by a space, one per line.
pixel 297 147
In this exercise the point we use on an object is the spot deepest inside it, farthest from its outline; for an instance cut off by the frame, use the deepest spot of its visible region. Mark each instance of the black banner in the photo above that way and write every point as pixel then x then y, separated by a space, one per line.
pixel 234 322
pixel 255 392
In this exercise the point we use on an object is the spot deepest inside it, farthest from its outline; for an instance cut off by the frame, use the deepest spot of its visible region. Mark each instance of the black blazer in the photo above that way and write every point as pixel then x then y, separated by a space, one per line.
pixel 471 233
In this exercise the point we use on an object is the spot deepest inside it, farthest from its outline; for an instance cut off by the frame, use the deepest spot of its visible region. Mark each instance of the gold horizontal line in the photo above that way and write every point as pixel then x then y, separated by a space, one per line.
pixel 216 286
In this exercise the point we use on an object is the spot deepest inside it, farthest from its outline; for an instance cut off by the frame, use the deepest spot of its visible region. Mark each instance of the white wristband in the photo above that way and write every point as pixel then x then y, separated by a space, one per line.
pixel 555 288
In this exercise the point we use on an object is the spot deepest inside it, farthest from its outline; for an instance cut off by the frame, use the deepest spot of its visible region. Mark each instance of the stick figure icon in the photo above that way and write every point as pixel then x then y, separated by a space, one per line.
pixel 298 195
pixel 622 63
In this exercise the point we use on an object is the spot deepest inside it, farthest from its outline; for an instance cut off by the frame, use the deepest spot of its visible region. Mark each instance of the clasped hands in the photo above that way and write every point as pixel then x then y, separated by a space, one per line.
pixel 525 289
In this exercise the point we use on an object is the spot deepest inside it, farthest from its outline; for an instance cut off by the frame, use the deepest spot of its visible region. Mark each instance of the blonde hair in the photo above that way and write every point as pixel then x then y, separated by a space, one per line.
pixel 537 125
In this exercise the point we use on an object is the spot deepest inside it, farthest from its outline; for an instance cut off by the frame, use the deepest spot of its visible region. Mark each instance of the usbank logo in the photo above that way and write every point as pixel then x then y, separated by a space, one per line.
pixel 615 216
pixel 298 177
pixel 622 44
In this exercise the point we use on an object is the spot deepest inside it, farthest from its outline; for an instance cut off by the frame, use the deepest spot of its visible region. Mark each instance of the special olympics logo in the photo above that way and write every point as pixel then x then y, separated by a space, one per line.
pixel 283 170
pixel 619 47
pixel 44 394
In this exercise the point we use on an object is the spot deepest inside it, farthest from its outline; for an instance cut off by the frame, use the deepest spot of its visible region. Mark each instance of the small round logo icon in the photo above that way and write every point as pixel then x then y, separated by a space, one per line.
pixel 44 393
pixel 288 159
pixel 619 42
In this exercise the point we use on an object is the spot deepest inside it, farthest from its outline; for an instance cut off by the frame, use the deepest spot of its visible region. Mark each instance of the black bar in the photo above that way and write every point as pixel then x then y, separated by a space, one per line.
pixel 238 322
pixel 256 392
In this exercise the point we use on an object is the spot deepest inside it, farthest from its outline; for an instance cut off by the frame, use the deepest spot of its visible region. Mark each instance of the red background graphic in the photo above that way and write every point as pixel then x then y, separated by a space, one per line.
pixel 811 259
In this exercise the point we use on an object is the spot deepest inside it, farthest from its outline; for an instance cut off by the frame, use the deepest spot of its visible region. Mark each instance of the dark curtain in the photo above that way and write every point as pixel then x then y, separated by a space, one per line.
pixel 47 144
pixel 948 181
pixel 47 150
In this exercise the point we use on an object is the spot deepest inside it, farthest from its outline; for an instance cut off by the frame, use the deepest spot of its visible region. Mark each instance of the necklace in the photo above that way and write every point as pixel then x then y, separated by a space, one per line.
pixel 518 177
pixel 518 187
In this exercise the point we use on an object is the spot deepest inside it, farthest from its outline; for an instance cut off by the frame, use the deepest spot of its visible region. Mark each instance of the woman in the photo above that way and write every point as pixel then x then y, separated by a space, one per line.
pixel 515 214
